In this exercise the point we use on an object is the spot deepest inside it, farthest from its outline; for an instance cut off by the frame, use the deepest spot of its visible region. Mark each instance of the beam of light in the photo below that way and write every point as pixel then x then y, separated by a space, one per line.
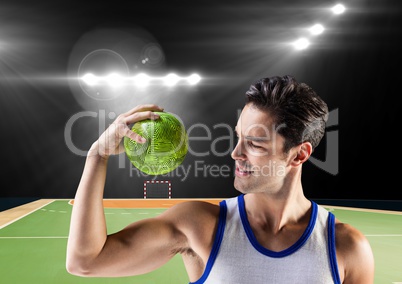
pixel 301 43
pixel 338 9
pixel 316 29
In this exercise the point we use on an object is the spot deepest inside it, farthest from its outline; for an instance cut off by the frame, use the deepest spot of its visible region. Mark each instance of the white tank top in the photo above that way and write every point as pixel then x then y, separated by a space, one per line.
pixel 237 257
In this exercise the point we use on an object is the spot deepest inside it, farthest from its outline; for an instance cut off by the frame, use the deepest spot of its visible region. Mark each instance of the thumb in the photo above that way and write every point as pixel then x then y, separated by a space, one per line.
pixel 134 136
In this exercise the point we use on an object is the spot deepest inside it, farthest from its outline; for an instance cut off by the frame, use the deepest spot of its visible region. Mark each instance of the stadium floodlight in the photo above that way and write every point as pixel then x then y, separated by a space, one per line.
pixel 171 79
pixel 90 79
pixel 115 80
pixel 338 9
pixel 193 79
pixel 301 43
pixel 316 29
pixel 141 79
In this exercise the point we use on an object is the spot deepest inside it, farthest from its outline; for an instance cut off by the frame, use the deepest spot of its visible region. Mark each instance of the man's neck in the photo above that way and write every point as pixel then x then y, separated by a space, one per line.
pixel 273 212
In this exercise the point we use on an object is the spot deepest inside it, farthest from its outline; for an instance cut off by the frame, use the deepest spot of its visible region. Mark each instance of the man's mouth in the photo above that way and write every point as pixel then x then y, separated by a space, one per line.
pixel 240 171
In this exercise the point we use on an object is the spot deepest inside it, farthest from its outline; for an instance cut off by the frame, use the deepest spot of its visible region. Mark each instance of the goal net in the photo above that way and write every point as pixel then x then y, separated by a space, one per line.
pixel 157 189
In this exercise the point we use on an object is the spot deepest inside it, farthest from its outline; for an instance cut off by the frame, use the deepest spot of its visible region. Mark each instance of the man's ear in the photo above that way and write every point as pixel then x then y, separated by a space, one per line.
pixel 303 153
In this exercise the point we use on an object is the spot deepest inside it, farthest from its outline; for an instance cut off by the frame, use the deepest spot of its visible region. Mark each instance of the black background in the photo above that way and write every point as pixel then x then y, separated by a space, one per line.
pixel 355 66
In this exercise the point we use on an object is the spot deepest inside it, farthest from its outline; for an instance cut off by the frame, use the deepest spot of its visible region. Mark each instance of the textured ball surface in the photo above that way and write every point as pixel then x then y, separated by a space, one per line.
pixel 165 148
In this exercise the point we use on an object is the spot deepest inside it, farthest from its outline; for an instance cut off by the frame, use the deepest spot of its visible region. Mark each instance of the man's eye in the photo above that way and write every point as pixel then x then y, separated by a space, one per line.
pixel 251 144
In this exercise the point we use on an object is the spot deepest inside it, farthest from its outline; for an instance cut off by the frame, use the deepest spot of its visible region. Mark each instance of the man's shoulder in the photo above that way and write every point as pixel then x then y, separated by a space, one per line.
pixel 195 209
pixel 204 204
pixel 354 253
pixel 348 235
pixel 199 210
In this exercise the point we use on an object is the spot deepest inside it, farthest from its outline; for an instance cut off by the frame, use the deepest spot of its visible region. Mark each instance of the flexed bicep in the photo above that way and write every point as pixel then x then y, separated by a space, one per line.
pixel 137 249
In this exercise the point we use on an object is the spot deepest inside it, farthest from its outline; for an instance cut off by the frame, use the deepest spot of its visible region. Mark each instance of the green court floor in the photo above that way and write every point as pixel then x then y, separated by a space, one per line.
pixel 33 248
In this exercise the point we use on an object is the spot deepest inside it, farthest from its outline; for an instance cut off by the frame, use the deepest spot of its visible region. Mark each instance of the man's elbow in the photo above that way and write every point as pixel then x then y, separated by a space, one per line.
pixel 78 267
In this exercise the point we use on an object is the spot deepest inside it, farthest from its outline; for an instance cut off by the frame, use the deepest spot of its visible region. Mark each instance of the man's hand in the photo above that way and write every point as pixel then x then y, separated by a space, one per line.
pixel 109 143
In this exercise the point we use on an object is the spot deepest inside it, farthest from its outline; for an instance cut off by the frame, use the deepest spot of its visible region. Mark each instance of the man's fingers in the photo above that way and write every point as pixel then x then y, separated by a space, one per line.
pixel 141 116
pixel 137 113
pixel 141 108
pixel 134 136
pixel 138 116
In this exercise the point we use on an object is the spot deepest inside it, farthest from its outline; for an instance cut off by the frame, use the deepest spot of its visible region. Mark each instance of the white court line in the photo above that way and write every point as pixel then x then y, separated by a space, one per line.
pixel 5 225
pixel 33 237
pixel 55 237
pixel 383 236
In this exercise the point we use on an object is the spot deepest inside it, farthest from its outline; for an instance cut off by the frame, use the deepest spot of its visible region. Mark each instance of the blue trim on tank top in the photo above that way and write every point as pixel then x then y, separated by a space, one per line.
pixel 265 251
pixel 332 248
pixel 217 243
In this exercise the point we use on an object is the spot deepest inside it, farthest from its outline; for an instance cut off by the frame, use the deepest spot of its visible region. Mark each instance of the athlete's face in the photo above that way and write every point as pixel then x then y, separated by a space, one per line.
pixel 261 164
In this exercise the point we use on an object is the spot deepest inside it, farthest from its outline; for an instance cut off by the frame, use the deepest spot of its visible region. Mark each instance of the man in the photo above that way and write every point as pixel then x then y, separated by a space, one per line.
pixel 270 233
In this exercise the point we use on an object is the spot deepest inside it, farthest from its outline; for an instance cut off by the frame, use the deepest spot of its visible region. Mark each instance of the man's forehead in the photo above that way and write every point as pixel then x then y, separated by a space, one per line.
pixel 253 120
pixel 254 130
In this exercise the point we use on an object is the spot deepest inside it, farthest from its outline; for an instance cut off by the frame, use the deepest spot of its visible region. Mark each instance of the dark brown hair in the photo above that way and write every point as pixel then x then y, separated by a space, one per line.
pixel 298 112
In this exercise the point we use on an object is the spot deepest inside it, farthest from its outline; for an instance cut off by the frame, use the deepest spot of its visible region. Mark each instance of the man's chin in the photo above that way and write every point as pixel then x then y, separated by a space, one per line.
pixel 239 185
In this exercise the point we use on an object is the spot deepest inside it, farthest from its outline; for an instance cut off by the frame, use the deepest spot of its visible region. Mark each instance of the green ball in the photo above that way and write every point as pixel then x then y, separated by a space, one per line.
pixel 165 148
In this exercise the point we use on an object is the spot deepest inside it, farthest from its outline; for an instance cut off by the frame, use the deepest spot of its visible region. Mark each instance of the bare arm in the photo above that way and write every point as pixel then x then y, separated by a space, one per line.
pixel 140 247
pixel 355 256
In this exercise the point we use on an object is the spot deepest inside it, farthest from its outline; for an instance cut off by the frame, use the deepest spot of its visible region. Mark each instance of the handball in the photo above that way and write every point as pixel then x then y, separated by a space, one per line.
pixel 165 148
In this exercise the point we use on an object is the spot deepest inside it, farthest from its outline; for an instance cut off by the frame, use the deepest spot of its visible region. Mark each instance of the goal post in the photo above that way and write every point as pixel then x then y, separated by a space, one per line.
pixel 157 189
